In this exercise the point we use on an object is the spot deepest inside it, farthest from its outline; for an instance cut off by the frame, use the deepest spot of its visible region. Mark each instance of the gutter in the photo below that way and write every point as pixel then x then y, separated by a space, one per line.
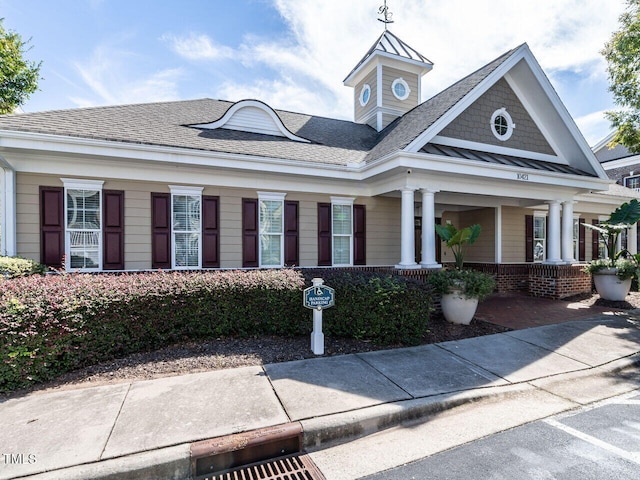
pixel 8 244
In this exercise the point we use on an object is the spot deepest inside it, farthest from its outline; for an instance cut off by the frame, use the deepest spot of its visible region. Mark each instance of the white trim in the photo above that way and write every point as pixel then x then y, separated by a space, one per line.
pixel 498 234
pixel 342 201
pixel 271 196
pixel 87 185
pixel 278 128
pixel 8 227
pixel 502 112
pixel 187 191
pixel 81 184
pixel 366 88
pixel 621 162
pixel 407 90
pixel 182 190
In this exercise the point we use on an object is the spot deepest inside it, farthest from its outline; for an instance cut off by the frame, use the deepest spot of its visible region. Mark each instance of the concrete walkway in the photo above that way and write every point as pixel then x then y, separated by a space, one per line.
pixel 145 429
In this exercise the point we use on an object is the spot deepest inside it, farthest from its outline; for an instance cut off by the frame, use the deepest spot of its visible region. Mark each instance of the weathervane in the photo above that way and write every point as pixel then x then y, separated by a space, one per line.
pixel 384 10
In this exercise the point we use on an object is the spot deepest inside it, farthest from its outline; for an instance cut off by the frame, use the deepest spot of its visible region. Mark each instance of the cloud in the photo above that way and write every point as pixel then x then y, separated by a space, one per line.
pixel 109 78
pixel 594 127
pixel 197 47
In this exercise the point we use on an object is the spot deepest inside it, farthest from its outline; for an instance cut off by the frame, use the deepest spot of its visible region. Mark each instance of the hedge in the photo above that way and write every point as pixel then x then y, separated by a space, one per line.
pixel 12 267
pixel 53 324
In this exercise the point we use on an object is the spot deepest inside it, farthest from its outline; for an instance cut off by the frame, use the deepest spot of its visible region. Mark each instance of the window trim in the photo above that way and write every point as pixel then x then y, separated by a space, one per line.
pixel 542 215
pixel 342 201
pixel 271 197
pixel 366 88
pixel 177 190
pixel 407 90
pixel 86 185
pixel 576 236
pixel 624 181
pixel 502 112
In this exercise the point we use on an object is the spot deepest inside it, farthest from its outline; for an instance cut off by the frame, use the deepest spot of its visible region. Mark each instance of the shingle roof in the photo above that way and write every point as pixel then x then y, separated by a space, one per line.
pixel 167 124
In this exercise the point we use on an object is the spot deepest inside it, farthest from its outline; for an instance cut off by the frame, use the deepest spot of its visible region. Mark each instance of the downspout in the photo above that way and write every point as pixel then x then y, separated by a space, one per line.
pixel 8 245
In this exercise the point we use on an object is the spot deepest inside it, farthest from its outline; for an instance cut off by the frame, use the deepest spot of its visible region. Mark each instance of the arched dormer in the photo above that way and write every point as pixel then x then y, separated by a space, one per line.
pixel 252 116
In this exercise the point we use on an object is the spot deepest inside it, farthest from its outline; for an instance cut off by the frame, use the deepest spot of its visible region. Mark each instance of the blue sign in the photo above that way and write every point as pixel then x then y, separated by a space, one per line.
pixel 319 297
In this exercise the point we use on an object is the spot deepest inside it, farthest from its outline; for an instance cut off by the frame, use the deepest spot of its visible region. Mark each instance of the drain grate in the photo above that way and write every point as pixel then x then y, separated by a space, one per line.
pixel 293 467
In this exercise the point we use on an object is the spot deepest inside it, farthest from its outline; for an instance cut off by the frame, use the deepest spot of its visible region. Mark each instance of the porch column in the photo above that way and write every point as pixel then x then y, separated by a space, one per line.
pixel 428 230
pixel 8 245
pixel 567 232
pixel 632 239
pixel 407 231
pixel 553 233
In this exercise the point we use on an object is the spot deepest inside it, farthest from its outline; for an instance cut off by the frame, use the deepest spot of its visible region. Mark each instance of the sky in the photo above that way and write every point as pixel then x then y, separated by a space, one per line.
pixel 295 54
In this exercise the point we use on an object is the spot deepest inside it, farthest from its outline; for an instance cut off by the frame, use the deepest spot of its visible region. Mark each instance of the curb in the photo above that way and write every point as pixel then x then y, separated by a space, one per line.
pixel 174 463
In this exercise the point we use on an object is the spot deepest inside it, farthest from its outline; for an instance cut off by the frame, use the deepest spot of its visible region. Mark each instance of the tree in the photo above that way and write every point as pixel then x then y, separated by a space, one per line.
pixel 18 77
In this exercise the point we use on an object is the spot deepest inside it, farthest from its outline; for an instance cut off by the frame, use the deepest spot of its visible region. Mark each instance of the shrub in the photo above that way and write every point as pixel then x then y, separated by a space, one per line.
pixel 381 307
pixel 12 267
pixel 56 323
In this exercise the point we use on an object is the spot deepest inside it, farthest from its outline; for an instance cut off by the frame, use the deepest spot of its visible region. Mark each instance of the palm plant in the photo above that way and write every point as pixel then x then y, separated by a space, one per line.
pixel 456 239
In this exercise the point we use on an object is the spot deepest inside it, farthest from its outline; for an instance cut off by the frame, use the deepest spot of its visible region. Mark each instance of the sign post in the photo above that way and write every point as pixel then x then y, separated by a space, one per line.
pixel 318 297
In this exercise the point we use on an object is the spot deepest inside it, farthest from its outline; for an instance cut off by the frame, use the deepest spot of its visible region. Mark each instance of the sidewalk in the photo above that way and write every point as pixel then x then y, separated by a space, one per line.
pixel 145 429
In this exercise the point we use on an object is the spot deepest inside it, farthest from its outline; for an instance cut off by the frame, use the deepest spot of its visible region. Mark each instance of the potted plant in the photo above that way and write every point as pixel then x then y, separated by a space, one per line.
pixel 612 275
pixel 460 289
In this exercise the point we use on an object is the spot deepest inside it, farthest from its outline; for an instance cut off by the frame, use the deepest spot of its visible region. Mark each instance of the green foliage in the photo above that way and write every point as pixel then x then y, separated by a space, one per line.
pixel 609 230
pixel 56 323
pixel 626 268
pixel 622 52
pixel 12 267
pixel 18 77
pixel 471 283
pixel 384 308
pixel 457 239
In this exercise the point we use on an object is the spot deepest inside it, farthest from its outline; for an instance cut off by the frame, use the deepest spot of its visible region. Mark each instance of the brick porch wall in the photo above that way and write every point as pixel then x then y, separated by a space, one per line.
pixel 538 280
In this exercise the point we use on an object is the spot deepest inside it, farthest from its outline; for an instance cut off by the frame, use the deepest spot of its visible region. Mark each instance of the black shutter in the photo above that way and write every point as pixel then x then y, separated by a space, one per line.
pixel 595 240
pixel 160 230
pixel 250 235
pixel 51 226
pixel 210 231
pixel 359 235
pixel 324 234
pixel 528 237
pixel 291 240
pixel 113 229
pixel 581 240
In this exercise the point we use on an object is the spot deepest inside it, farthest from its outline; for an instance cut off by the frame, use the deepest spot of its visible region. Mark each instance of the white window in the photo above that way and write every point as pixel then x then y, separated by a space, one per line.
pixel 271 228
pixel 400 89
pixel 83 227
pixel 539 237
pixel 632 182
pixel 342 230
pixel 365 94
pixel 186 225
pixel 502 125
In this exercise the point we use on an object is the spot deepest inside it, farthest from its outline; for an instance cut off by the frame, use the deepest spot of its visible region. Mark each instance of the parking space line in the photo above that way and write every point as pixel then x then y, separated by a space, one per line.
pixel 631 456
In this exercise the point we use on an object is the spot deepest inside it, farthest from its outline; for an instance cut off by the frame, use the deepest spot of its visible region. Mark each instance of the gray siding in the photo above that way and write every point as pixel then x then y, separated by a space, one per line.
pixel 474 124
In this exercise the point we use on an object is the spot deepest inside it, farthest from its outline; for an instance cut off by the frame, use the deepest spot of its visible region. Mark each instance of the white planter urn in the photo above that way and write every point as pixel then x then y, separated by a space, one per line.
pixel 457 308
pixel 609 286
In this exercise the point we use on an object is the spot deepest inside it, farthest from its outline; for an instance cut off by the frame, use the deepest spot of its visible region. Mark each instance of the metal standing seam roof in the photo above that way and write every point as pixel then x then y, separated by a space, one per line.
pixel 389 43
pixel 467 154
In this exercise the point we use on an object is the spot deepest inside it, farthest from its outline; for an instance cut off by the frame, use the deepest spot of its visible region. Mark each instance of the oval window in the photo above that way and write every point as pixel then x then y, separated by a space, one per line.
pixel 400 89
pixel 502 125
pixel 365 94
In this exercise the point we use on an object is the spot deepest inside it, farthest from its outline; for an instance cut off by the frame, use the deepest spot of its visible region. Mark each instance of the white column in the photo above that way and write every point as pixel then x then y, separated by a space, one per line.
pixel 428 230
pixel 498 235
pixel 8 244
pixel 567 232
pixel 632 239
pixel 407 230
pixel 553 233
